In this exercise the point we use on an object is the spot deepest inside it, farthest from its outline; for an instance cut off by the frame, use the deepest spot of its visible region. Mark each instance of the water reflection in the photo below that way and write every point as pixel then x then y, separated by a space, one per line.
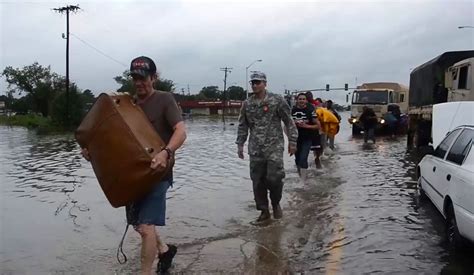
pixel 270 255
pixel 47 170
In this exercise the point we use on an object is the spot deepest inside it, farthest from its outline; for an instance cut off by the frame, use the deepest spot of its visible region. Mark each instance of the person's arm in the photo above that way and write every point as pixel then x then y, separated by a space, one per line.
pixel 242 131
pixel 337 115
pixel 315 124
pixel 160 160
pixel 178 137
pixel 173 117
pixel 318 123
pixel 285 115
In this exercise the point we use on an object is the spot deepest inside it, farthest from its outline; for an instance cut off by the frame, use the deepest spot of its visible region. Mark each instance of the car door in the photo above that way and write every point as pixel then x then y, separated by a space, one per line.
pixel 433 171
pixel 460 178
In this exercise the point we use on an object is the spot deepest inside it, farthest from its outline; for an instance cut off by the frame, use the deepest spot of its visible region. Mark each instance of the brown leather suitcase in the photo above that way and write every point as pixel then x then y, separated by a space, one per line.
pixel 121 143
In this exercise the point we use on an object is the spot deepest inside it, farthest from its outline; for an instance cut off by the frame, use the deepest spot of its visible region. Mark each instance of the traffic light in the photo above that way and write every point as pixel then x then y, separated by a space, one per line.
pixel 327 87
pixel 346 87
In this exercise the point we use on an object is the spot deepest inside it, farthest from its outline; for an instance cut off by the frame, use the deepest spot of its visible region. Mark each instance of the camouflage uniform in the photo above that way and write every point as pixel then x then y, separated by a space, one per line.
pixel 266 144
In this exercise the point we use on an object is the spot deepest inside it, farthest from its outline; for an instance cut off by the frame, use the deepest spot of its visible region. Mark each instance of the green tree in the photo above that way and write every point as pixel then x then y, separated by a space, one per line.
pixel 77 110
pixel 37 81
pixel 126 84
pixel 236 93
pixel 21 105
pixel 164 85
pixel 88 96
pixel 209 92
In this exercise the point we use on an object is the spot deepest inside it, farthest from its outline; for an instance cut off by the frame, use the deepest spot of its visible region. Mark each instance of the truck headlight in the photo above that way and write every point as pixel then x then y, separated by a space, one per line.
pixel 352 120
pixel 382 121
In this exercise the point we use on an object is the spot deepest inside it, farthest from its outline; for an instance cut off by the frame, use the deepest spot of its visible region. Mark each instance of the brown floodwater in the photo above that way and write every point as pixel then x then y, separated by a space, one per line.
pixel 359 214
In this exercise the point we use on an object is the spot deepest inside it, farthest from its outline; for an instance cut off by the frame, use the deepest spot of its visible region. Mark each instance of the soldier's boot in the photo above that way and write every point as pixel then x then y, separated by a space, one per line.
pixel 265 215
pixel 277 213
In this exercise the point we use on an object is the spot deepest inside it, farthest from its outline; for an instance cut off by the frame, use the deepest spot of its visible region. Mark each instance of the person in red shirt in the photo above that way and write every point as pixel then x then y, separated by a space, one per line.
pixel 309 96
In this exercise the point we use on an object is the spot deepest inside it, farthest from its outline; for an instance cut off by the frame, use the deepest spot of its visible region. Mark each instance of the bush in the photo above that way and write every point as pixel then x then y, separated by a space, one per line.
pixel 29 120
pixel 77 108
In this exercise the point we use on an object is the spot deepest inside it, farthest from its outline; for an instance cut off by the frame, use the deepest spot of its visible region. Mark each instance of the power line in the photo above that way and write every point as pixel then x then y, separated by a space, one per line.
pixel 97 50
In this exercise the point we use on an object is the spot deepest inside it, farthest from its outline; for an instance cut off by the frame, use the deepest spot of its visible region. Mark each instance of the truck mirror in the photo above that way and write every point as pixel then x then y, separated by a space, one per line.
pixel 347 98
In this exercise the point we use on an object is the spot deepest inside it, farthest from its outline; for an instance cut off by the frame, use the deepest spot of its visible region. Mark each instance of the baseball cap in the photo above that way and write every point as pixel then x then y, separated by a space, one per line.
pixel 143 66
pixel 258 76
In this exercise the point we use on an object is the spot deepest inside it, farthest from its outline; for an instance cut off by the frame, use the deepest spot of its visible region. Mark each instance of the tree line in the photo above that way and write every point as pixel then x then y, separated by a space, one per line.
pixel 36 89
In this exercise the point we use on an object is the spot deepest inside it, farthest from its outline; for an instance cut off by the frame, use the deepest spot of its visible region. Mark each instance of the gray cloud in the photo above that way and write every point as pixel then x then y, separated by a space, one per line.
pixel 303 45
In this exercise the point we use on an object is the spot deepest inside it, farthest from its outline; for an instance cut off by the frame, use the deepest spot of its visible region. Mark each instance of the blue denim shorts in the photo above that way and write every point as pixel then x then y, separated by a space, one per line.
pixel 151 209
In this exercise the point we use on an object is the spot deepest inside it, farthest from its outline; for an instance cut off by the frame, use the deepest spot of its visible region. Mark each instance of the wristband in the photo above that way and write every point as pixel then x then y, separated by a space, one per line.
pixel 168 150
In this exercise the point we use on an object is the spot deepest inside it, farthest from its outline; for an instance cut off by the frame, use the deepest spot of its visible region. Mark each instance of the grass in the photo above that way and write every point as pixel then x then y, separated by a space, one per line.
pixel 32 121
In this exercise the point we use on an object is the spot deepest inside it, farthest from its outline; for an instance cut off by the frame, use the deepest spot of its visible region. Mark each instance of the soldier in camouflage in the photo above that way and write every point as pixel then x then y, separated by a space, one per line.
pixel 262 114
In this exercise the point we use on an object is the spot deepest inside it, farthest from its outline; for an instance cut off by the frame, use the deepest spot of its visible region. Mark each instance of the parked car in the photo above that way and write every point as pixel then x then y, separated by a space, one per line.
pixel 446 177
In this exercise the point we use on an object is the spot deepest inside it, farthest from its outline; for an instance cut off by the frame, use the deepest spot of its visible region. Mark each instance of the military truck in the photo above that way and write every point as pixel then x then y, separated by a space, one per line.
pixel 380 96
pixel 448 77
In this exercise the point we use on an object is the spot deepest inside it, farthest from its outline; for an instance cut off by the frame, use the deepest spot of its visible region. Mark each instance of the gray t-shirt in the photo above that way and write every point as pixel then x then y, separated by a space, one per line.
pixel 163 113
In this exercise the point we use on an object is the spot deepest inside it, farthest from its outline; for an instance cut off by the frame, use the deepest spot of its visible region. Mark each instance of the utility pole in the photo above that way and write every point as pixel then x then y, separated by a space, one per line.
pixel 66 10
pixel 225 70
pixel 189 93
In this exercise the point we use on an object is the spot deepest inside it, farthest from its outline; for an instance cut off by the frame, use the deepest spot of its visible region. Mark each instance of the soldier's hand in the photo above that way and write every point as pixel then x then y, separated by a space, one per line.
pixel 240 151
pixel 85 154
pixel 291 149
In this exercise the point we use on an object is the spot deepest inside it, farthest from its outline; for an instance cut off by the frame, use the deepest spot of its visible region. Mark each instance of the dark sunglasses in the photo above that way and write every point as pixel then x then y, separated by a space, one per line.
pixel 138 77
pixel 255 82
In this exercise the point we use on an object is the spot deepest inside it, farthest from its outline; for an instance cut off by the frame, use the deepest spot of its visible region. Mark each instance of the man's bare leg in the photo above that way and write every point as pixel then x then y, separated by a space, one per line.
pixel 162 246
pixel 149 247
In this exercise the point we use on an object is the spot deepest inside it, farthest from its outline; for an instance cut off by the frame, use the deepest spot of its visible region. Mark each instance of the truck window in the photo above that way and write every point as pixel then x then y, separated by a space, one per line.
pixel 402 97
pixel 370 97
pixel 462 82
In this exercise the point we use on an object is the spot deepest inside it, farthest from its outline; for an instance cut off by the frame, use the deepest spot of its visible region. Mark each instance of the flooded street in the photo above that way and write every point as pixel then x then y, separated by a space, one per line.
pixel 359 214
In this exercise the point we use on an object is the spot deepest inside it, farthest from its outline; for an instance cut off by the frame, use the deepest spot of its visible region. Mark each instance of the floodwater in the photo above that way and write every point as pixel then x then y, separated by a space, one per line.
pixel 359 214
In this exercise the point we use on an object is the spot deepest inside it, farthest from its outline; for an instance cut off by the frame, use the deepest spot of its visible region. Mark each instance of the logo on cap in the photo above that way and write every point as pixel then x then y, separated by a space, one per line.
pixel 140 65
pixel 143 66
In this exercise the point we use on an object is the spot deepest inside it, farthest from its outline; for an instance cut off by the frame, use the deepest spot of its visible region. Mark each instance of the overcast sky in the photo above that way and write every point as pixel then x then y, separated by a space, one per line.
pixel 303 45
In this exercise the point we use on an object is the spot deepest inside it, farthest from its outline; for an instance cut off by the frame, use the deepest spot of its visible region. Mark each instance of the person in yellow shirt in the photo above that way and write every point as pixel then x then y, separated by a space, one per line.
pixel 329 126
pixel 333 127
